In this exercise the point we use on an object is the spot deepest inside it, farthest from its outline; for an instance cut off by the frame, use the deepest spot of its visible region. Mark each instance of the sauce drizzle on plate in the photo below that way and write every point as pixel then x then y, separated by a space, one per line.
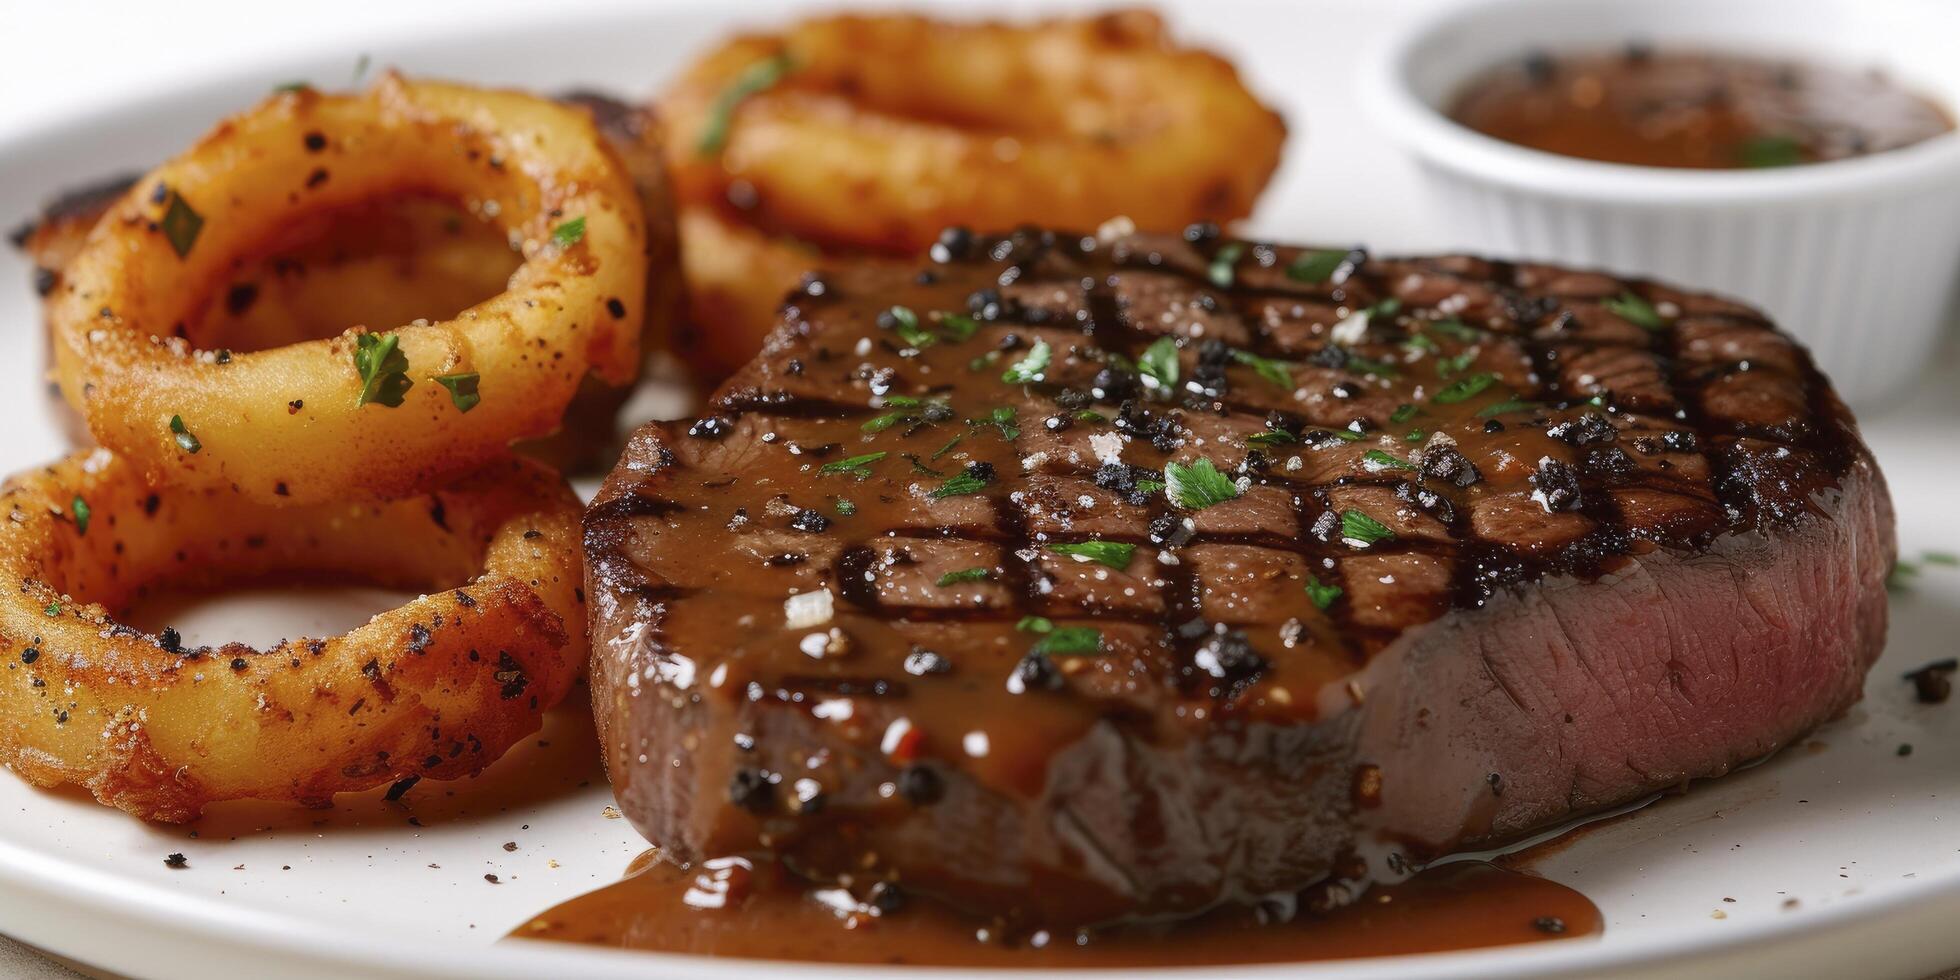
pixel 739 907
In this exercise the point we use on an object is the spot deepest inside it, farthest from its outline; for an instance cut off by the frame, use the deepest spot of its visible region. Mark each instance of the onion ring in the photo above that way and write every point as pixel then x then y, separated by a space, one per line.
pixel 438 687
pixel 879 131
pixel 737 277
pixel 309 422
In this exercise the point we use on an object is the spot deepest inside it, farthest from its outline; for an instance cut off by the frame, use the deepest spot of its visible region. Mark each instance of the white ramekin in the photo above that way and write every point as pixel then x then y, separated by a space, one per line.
pixel 1857 258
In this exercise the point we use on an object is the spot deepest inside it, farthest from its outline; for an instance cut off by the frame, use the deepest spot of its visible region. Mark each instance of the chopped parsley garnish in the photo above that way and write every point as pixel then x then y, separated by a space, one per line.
pixel 1386 308
pixel 965 575
pixel 1939 558
pixel 568 233
pixel 1065 640
pixel 1148 487
pixel 947 448
pixel 1770 151
pixel 1029 369
pixel 185 440
pixel 958 326
pixel 1449 367
pixel 1091 417
pixel 53 609
pixel 1347 435
pixel 1505 407
pixel 880 423
pixel 79 508
pixel 1315 266
pixel 1370 367
pixel 1069 641
pixel 1415 436
pixel 1272 437
pixel 1403 413
pixel 1198 485
pixel 1322 595
pixel 905 408
pixel 383 368
pixel 462 389
pixel 1158 364
pixel 1114 554
pixel 1376 461
pixel 181 225
pixel 1358 528
pixel 1455 329
pixel 1002 419
pixel 857 466
pixel 1635 310
pixel 1224 265
pixel 1464 389
pixel 1419 343
pixel 755 79
pixel 960 485
pixel 905 323
pixel 292 87
pixel 1269 369
pixel 919 467
pixel 845 507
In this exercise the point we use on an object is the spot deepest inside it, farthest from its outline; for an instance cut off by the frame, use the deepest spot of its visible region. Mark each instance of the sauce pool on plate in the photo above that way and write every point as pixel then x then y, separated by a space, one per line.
pixel 738 907
pixel 1695 109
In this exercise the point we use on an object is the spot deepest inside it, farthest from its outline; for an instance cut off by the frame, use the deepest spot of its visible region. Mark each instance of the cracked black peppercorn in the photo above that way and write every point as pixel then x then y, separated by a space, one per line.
pixel 1035 672
pixel 1229 658
pixel 1447 464
pixel 1933 683
pixel 809 521
pixel 886 897
pixel 1585 430
pixel 1556 485
pixel 920 785
pixel 751 790
pixel 711 427
pixel 955 242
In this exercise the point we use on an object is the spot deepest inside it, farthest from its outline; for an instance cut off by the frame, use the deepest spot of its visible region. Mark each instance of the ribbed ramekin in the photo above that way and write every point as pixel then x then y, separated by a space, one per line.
pixel 1857 258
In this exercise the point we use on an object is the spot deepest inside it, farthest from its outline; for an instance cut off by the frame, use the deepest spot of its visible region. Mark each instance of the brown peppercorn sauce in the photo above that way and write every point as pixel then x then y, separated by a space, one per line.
pixel 1695 109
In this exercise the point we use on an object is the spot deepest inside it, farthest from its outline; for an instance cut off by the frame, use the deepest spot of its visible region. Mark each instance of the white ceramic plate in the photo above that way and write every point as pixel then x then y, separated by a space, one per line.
pixel 1841 857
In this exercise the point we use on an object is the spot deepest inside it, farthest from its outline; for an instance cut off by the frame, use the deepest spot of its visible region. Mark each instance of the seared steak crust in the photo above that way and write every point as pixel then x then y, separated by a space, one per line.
pixel 1489 545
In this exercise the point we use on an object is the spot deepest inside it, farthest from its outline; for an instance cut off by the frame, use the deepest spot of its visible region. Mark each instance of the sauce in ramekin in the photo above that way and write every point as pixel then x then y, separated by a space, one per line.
pixel 1695 109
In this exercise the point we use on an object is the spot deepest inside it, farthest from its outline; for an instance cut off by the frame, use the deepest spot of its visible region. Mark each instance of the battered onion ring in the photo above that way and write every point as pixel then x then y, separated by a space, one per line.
pixel 737 277
pixel 287 423
pixel 439 687
pixel 886 129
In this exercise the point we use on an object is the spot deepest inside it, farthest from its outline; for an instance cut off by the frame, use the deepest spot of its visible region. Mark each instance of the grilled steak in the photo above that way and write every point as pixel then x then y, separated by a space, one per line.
pixel 976 583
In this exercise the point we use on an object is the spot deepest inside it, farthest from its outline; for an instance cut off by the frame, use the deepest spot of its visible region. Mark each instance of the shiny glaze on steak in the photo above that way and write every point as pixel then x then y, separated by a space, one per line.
pixel 1611 537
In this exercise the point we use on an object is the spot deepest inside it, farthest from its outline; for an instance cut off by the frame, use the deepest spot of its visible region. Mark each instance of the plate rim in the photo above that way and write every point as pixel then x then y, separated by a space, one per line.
pixel 244 935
